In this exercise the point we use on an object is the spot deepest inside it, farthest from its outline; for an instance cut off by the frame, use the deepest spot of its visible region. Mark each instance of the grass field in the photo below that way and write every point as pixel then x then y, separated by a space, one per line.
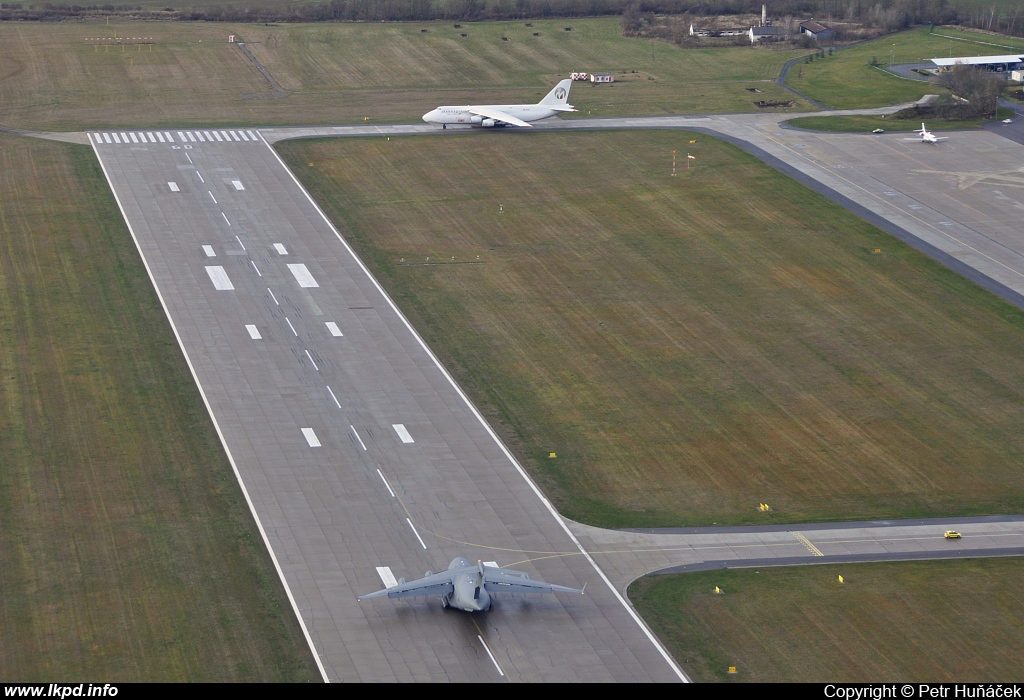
pixel 867 123
pixel 846 80
pixel 942 621
pixel 338 73
pixel 690 346
pixel 129 553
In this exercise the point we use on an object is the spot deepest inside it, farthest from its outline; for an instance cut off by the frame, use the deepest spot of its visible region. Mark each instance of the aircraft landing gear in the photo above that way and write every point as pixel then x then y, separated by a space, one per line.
pixel 444 602
pixel 444 126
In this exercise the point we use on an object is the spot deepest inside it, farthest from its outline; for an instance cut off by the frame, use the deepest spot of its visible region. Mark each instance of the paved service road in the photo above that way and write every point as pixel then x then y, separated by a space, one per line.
pixel 354 447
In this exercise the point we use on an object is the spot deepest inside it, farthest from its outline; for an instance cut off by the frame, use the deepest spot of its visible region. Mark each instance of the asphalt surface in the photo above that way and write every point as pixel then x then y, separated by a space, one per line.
pixel 354 447
pixel 365 497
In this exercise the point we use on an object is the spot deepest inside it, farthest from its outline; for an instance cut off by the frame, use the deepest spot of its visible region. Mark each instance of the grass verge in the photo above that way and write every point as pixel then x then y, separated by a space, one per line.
pixel 129 551
pixel 690 346
pixel 951 621
pixel 52 79
pixel 867 123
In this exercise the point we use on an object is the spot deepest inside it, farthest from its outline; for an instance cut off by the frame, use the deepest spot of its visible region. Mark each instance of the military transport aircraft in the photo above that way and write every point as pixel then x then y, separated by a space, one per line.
pixel 504 115
pixel 926 136
pixel 469 587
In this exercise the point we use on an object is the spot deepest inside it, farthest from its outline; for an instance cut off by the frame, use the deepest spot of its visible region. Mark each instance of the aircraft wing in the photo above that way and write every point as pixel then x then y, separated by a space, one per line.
pixel 435 584
pixel 498 115
pixel 508 581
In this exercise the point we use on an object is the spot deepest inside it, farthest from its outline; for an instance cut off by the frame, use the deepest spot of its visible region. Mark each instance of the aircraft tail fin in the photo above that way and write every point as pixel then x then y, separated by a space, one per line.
pixel 559 94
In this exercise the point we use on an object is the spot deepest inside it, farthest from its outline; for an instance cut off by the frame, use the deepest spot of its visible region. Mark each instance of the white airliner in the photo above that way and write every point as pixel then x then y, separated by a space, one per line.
pixel 926 136
pixel 504 115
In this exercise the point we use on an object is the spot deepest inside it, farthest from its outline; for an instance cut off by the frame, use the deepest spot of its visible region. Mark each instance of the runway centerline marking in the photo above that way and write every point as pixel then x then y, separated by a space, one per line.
pixel 273 297
pixel 292 327
pixel 312 360
pixel 356 433
pixel 255 268
pixel 416 533
pixel 209 193
pixel 386 484
pixel 225 218
pixel 488 650
pixel 237 238
pixel 333 397
pixel 200 177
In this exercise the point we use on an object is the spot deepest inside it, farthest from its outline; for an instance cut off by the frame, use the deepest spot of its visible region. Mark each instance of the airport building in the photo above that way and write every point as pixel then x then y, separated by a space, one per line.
pixel 997 64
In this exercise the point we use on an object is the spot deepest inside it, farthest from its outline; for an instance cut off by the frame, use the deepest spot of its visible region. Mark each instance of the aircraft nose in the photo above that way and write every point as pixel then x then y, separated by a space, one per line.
pixel 430 116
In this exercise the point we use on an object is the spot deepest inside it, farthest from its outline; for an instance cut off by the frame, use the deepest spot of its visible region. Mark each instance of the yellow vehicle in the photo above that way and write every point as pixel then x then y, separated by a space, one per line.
pixel 951 535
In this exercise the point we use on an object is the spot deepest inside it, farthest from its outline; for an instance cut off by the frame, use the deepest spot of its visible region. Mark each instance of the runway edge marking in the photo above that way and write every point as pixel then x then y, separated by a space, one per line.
pixel 216 425
pixel 494 436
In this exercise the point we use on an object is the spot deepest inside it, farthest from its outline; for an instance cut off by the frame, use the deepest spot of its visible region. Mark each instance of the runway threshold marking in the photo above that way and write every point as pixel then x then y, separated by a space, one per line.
pixel 403 434
pixel 333 328
pixel 416 533
pixel 173 186
pixel 281 250
pixel 310 436
pixel 386 577
pixel 210 253
pixel 302 275
pixel 219 277
pixel 238 185
pixel 254 332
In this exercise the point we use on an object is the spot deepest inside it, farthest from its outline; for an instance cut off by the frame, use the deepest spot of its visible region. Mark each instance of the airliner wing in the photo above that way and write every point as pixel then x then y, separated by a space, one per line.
pixel 498 115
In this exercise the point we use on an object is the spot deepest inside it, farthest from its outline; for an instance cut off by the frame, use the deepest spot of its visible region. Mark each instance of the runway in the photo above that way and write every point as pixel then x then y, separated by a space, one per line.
pixel 354 447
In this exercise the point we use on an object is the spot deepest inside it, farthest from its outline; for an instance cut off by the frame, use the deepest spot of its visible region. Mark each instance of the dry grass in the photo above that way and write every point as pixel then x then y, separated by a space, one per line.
pixel 943 621
pixel 337 73
pixel 129 553
pixel 688 346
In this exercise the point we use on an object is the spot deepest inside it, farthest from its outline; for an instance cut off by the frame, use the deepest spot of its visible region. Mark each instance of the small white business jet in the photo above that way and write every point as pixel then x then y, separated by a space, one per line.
pixel 504 115
pixel 926 136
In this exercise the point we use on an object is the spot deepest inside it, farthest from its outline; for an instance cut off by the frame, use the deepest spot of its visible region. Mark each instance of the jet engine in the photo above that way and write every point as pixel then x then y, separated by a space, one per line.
pixel 488 122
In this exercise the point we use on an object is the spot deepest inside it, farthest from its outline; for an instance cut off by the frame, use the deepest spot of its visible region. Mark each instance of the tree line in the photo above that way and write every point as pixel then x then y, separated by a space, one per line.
pixel 888 15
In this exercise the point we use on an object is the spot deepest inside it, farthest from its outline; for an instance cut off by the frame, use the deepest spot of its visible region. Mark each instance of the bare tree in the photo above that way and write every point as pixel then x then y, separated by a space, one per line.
pixel 980 88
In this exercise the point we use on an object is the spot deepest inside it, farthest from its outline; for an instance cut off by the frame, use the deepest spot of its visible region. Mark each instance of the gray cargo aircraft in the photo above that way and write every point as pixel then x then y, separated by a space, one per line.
pixel 504 115
pixel 469 587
